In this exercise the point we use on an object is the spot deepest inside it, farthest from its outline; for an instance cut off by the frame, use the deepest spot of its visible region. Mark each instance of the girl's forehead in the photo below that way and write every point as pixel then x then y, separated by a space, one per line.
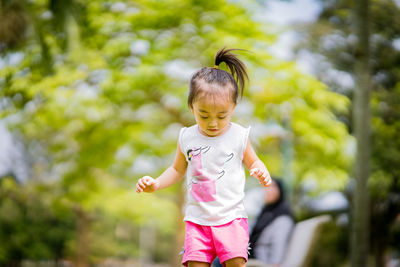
pixel 214 93
pixel 209 102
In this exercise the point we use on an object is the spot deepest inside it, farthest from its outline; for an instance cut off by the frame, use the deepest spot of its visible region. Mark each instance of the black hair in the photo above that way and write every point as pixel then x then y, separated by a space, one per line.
pixel 214 75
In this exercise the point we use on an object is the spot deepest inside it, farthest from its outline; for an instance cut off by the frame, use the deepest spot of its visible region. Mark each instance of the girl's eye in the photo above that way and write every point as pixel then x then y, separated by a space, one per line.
pixel 203 117
pixel 221 118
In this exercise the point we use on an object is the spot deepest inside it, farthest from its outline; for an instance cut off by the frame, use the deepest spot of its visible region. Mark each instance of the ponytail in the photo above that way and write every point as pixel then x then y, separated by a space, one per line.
pixel 220 77
pixel 235 65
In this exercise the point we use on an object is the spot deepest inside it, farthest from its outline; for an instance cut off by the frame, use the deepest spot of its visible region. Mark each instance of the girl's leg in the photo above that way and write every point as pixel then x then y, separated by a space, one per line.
pixel 198 264
pixel 235 262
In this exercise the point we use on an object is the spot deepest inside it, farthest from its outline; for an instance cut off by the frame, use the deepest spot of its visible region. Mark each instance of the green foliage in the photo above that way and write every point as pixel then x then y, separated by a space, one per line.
pixel 332 246
pixel 318 138
pixel 30 228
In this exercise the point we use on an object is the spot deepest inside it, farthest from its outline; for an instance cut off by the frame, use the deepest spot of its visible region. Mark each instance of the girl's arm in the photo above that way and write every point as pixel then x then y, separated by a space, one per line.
pixel 255 165
pixel 169 177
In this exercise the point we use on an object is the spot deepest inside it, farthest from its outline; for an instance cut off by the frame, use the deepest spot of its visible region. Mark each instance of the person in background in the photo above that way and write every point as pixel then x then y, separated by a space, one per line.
pixel 273 227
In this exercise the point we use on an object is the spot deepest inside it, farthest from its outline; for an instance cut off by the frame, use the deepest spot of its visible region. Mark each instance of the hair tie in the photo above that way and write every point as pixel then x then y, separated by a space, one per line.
pixel 216 67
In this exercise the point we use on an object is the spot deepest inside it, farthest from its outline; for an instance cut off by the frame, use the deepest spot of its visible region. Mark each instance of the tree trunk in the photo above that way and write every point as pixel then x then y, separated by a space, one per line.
pixel 83 238
pixel 361 120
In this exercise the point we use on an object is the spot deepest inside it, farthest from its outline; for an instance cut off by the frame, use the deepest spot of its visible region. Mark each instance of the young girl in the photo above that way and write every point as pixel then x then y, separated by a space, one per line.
pixel 212 154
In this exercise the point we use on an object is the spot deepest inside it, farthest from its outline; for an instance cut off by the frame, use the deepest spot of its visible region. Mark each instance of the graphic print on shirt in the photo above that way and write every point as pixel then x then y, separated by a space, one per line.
pixel 203 183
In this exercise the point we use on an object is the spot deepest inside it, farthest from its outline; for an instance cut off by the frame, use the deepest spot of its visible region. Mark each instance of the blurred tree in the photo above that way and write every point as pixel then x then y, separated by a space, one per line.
pixel 64 15
pixel 110 111
pixel 333 42
pixel 13 23
pixel 23 213
pixel 361 124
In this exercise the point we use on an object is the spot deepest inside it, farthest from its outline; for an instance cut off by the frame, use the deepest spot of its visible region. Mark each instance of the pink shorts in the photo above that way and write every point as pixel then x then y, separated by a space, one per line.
pixel 205 243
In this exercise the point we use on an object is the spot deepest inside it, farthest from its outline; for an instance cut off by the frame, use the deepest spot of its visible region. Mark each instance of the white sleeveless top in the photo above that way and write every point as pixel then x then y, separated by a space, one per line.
pixel 215 175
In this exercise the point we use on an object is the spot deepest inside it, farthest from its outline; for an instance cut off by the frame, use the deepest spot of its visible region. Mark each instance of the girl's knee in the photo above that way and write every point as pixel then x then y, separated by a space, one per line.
pixel 198 264
pixel 235 262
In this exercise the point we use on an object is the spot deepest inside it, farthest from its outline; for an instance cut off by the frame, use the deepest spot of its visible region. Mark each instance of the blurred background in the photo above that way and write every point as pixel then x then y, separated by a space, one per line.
pixel 93 94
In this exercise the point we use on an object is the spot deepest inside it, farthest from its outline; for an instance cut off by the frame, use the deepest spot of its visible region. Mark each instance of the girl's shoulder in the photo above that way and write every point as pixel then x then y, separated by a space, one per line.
pixel 237 128
pixel 188 131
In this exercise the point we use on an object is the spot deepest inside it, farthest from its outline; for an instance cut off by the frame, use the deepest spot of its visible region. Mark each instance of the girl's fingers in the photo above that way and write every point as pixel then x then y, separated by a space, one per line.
pixel 144 183
pixel 255 172
pixel 144 180
pixel 141 183
pixel 138 189
pixel 147 181
pixel 262 175
pixel 266 179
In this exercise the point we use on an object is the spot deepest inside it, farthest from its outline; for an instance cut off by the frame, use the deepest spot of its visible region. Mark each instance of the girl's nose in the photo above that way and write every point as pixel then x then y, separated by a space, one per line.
pixel 213 123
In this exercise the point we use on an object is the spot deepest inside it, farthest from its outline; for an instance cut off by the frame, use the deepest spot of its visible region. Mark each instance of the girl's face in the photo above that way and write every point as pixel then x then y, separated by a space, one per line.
pixel 213 113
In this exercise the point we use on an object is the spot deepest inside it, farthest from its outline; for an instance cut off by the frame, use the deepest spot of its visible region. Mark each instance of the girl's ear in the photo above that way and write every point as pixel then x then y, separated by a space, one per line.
pixel 191 109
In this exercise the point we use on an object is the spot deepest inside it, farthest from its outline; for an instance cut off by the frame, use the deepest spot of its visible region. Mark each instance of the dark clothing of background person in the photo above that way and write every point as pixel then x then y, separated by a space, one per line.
pixel 271 232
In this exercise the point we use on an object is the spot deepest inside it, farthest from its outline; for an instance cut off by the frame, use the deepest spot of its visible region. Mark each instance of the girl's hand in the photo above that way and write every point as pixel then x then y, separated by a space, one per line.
pixel 262 175
pixel 147 184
